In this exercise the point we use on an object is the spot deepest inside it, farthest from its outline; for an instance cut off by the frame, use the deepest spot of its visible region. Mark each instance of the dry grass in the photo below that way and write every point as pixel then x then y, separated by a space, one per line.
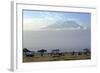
pixel 52 58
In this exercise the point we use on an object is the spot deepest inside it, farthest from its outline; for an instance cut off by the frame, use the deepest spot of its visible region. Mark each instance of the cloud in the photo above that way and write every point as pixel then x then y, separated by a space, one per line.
pixel 35 23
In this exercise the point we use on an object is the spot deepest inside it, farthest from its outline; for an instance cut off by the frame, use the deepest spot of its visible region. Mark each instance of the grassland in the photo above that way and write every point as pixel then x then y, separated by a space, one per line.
pixel 65 57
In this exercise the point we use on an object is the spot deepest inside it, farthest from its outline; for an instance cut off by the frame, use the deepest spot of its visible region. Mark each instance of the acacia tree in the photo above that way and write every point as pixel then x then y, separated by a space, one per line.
pixel 86 51
pixel 42 51
pixel 25 50
pixel 73 53
pixel 55 52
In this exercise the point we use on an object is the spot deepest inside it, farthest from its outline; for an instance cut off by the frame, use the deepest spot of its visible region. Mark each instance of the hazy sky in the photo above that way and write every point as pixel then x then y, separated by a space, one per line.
pixel 63 39
pixel 34 20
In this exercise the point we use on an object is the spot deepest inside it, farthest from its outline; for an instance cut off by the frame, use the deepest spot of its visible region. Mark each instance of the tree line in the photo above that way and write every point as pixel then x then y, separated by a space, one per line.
pixel 54 52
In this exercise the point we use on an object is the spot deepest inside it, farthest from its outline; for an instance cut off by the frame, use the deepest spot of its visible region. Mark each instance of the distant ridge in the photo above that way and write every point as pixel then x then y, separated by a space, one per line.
pixel 64 25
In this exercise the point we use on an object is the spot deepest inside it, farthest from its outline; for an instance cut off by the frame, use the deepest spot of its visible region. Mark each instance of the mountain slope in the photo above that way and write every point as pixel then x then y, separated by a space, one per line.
pixel 63 25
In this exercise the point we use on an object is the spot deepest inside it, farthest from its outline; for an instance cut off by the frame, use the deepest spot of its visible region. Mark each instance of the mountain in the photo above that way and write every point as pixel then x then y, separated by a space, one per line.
pixel 64 25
